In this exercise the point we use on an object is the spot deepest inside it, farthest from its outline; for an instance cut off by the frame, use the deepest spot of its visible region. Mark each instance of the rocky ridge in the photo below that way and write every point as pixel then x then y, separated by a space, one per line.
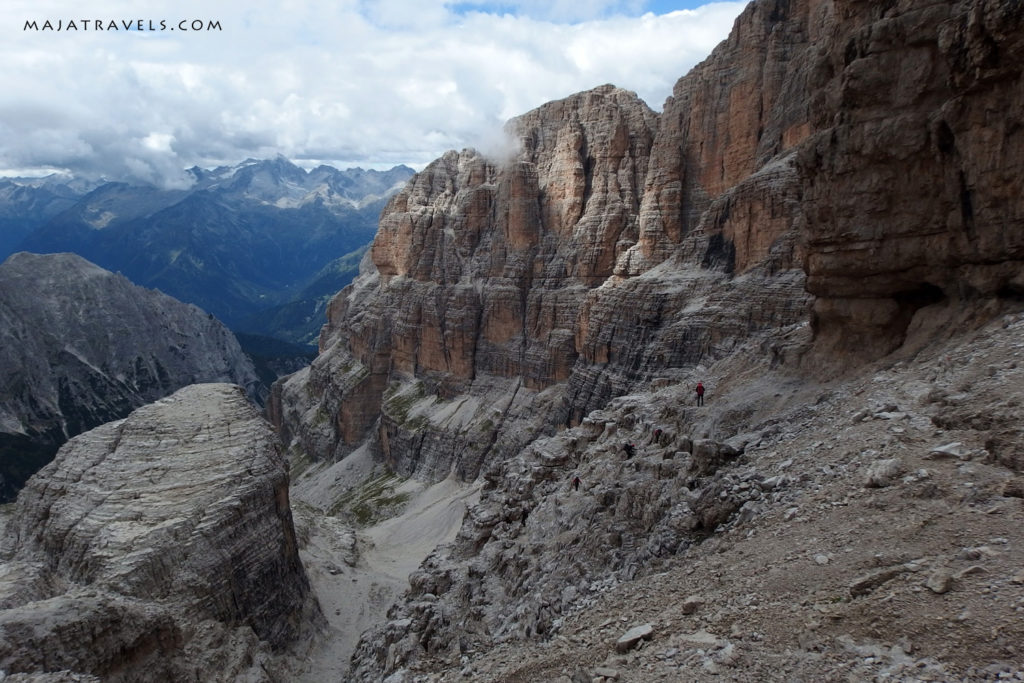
pixel 81 346
pixel 158 547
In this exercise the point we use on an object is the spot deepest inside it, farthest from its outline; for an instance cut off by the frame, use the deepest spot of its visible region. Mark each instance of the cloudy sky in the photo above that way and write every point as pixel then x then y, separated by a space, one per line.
pixel 368 83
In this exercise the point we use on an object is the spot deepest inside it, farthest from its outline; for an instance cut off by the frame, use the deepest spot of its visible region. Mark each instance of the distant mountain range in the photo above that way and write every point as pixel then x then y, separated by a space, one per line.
pixel 245 242
pixel 27 203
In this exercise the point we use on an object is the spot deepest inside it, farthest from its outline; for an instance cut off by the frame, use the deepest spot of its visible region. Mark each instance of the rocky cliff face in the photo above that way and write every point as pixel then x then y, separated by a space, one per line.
pixel 498 293
pixel 80 346
pixel 836 176
pixel 158 547
pixel 902 173
pixel 842 142
pixel 909 176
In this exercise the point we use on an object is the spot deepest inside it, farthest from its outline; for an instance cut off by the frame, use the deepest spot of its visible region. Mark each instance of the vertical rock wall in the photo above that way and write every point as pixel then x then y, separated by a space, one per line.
pixel 911 177
pixel 506 298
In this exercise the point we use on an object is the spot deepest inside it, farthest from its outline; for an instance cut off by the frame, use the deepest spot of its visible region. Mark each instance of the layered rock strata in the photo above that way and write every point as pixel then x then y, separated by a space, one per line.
pixel 80 346
pixel 909 179
pixel 497 293
pixel 844 142
pixel 158 547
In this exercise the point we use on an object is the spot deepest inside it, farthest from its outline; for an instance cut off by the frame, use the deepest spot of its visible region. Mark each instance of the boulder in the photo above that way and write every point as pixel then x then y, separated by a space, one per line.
pixel 632 638
pixel 883 472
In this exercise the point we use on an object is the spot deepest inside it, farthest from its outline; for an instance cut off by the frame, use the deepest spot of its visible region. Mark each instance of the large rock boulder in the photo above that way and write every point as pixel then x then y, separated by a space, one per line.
pixel 158 547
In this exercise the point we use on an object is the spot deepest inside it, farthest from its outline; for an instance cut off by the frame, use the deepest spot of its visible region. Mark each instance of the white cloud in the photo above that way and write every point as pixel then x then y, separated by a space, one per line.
pixel 158 142
pixel 347 82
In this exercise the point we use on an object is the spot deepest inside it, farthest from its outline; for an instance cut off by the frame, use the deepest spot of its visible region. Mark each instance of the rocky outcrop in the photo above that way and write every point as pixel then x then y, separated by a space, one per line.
pixel 903 177
pixel 722 160
pixel 473 290
pixel 158 547
pixel 508 576
pixel 81 346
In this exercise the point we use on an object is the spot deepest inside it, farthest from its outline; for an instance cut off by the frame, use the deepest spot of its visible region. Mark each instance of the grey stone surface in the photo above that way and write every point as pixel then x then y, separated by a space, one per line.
pixel 158 547
pixel 631 638
pixel 884 472
pixel 80 346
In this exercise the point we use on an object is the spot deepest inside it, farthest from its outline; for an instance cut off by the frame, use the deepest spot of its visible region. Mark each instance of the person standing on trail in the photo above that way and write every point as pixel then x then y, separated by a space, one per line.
pixel 700 393
pixel 576 483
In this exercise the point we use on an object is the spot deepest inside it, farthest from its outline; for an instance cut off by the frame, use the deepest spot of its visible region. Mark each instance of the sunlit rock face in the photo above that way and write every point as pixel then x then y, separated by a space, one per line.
pixel 158 547
pixel 506 297
pixel 831 163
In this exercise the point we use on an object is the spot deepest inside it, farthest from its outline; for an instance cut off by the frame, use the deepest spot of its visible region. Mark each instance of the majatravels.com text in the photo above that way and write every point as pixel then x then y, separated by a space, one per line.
pixel 123 25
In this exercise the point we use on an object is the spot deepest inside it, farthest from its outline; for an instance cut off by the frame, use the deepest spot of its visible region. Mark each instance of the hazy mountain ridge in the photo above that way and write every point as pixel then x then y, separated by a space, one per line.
pixel 25 206
pixel 242 239
pixel 278 181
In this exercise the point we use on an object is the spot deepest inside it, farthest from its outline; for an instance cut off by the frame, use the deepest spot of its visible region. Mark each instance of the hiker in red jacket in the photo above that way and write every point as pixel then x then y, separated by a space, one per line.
pixel 700 393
